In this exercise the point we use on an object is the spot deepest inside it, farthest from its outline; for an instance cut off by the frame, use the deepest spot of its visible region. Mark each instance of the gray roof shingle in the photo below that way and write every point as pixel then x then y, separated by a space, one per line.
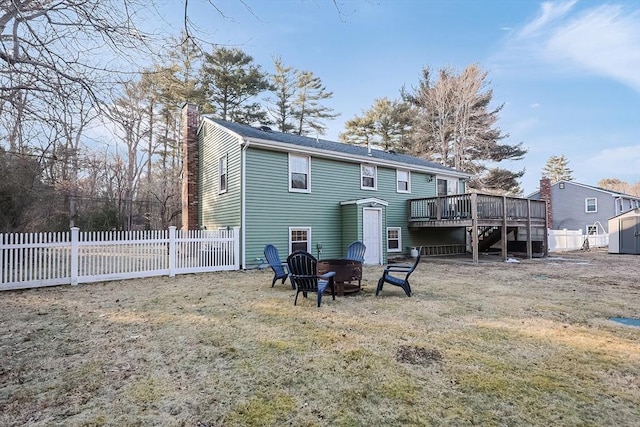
pixel 247 131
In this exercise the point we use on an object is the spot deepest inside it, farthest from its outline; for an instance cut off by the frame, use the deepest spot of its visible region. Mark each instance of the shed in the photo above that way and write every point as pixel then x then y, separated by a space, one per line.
pixel 624 233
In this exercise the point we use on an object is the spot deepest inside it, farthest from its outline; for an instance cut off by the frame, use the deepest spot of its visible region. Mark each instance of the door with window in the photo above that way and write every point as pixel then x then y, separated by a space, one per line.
pixel 372 235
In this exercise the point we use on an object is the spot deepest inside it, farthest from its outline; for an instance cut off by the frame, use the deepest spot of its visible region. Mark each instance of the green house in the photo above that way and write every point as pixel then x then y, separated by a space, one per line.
pixel 305 193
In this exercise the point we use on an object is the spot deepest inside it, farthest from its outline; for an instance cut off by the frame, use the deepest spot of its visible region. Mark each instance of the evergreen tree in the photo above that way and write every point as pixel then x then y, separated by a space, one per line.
pixel 307 109
pixel 557 169
pixel 455 126
pixel 232 81
pixel 283 86
pixel 386 124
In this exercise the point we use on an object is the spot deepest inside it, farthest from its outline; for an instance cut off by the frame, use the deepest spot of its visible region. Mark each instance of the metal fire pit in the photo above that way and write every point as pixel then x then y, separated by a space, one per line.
pixel 348 274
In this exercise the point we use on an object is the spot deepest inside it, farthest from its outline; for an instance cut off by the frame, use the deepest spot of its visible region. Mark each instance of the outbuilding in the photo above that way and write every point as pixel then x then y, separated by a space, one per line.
pixel 624 233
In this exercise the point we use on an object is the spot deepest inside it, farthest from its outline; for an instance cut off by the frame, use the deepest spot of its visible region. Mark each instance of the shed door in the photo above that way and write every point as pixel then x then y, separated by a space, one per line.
pixel 630 235
pixel 372 235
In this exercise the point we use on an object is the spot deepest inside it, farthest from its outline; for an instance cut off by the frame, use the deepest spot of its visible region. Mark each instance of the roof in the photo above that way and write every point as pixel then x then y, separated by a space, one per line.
pixel 604 190
pixel 265 134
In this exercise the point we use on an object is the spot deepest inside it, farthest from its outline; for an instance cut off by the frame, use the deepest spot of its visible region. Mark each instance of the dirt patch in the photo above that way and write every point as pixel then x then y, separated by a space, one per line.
pixel 418 355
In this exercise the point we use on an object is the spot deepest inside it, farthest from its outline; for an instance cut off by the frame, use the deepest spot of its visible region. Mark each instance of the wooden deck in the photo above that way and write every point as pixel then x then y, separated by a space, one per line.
pixel 479 212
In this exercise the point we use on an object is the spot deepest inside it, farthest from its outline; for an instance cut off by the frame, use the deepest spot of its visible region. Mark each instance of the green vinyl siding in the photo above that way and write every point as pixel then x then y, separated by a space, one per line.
pixel 219 210
pixel 271 209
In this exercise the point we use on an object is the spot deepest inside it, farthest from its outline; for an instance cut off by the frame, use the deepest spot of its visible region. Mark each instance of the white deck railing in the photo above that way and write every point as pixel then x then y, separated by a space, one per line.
pixel 29 260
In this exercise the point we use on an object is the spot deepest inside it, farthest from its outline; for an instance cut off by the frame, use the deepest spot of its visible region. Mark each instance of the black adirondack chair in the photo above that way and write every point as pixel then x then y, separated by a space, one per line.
pixel 303 273
pixel 280 270
pixel 356 250
pixel 401 277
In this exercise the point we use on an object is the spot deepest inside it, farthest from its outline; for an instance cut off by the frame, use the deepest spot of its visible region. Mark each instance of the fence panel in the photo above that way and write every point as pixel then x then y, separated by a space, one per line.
pixel 30 260
pixel 571 240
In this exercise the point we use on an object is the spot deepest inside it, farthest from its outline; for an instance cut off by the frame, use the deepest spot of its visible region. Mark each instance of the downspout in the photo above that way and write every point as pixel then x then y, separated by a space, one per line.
pixel 243 201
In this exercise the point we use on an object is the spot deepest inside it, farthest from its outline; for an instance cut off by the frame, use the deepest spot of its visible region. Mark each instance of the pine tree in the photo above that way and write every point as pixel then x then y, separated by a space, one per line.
pixel 557 169
pixel 307 108
pixel 386 124
pixel 283 86
pixel 232 81
pixel 455 126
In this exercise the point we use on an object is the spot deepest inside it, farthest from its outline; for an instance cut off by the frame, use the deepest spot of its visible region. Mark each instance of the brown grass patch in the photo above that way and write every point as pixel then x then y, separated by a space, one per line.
pixel 488 344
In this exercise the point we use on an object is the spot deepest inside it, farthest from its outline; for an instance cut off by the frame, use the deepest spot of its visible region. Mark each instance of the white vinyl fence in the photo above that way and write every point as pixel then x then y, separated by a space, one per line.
pixel 572 240
pixel 29 260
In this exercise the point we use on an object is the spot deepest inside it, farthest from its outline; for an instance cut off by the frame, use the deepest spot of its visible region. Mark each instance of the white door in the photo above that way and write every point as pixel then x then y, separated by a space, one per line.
pixel 372 235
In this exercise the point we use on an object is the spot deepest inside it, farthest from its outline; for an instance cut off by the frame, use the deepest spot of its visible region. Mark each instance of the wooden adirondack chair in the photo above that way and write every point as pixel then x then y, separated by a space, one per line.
pixel 303 273
pixel 280 270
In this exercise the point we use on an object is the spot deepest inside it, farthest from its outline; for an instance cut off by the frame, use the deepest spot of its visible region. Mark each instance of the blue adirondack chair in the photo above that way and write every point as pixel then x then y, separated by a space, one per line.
pixel 303 273
pixel 401 279
pixel 356 250
pixel 280 270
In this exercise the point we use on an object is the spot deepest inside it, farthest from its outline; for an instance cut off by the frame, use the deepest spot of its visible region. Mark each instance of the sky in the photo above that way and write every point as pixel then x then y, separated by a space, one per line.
pixel 567 72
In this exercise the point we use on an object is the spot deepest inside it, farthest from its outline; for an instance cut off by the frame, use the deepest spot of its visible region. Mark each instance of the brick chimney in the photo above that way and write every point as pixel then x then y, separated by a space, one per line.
pixel 545 194
pixel 190 153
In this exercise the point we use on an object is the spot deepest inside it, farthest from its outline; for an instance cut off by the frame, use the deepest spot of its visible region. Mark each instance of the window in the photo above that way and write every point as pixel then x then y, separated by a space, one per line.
pixel 299 173
pixel 394 239
pixel 222 174
pixel 447 187
pixel 368 177
pixel 591 205
pixel 592 229
pixel 403 181
pixel 299 239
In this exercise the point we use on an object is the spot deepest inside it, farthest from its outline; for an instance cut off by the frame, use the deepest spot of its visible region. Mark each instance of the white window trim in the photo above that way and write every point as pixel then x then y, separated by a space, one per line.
pixel 408 190
pixel 586 204
pixel 300 190
pixel 308 230
pixel 375 177
pixel 591 227
pixel 224 158
pixel 399 229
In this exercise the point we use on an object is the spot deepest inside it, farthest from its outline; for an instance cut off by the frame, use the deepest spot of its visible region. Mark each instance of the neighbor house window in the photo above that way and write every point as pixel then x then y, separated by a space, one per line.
pixel 299 173
pixel 591 204
pixel 368 177
pixel 403 183
pixel 299 239
pixel 222 174
pixel 592 229
pixel 394 239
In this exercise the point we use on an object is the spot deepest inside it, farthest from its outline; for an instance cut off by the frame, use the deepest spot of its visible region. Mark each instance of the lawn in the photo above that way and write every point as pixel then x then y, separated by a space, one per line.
pixel 495 343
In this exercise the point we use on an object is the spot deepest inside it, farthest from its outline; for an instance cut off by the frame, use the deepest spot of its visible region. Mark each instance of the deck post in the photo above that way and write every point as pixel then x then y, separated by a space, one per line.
pixel 504 228
pixel 529 249
pixel 474 226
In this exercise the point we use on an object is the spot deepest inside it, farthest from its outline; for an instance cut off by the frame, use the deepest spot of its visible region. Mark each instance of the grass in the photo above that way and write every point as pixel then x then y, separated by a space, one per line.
pixel 489 344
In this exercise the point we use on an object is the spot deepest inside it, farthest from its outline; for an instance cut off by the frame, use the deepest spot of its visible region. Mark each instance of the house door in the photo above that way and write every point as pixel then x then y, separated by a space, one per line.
pixel 629 235
pixel 372 235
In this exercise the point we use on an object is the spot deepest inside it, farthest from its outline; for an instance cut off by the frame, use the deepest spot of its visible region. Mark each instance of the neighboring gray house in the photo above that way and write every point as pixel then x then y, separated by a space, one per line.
pixel 576 206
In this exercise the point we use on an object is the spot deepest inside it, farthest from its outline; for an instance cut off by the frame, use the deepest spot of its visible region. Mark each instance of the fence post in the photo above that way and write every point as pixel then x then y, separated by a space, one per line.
pixel 172 251
pixel 75 233
pixel 236 247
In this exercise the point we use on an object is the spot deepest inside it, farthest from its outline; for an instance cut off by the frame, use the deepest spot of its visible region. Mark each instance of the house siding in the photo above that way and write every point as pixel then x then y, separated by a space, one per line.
pixel 219 210
pixel 272 209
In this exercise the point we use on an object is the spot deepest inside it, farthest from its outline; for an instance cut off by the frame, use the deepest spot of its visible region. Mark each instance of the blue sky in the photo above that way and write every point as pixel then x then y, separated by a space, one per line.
pixel 568 72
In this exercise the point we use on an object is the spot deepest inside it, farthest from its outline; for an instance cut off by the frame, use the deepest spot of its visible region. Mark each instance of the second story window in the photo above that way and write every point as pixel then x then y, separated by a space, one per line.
pixel 222 174
pixel 368 179
pixel 403 183
pixel 591 205
pixel 299 173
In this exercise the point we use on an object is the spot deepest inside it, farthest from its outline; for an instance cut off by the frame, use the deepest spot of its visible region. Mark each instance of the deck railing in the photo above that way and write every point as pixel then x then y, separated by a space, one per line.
pixel 460 207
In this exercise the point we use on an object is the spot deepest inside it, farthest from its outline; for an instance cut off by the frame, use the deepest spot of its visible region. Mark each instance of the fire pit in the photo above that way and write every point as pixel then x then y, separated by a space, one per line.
pixel 348 274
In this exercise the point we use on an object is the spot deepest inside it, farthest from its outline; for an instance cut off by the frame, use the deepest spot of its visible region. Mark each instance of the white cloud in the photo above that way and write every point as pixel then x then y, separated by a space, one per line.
pixel 614 162
pixel 603 40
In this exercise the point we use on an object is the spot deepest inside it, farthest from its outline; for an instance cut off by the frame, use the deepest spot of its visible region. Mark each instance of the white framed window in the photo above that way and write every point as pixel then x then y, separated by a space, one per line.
pixel 222 174
pixel 299 239
pixel 591 230
pixel 299 173
pixel 394 239
pixel 403 181
pixel 591 205
pixel 368 177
